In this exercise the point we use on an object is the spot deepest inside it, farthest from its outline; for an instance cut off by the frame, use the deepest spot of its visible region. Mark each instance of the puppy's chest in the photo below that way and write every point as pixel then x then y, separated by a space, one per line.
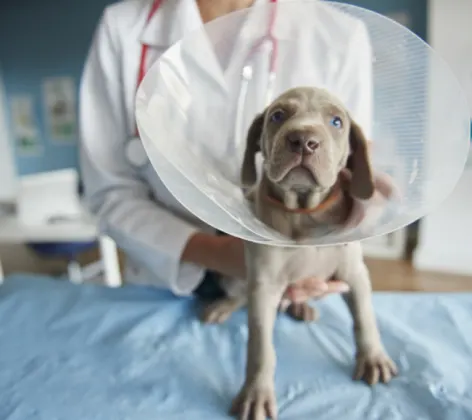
pixel 319 262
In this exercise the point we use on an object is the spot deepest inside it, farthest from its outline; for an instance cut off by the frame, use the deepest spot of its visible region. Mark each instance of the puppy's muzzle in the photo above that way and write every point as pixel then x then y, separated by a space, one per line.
pixel 302 142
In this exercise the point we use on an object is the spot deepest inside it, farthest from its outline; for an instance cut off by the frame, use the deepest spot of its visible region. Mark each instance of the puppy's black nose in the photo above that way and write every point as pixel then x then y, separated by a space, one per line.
pixel 302 142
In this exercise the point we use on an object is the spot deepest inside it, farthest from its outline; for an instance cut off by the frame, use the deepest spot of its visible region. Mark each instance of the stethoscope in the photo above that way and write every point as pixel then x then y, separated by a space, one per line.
pixel 247 73
pixel 135 153
pixel 134 149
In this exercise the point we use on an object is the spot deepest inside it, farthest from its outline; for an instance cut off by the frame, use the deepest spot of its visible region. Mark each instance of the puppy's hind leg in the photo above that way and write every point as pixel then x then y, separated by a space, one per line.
pixel 219 311
pixel 302 311
pixel 299 311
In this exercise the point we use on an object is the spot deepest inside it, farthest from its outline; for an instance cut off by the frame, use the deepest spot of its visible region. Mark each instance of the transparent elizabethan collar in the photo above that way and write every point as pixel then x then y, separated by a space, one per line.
pixel 197 101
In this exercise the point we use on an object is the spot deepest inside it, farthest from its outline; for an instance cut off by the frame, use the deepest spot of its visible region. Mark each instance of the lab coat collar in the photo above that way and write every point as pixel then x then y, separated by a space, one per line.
pixel 173 20
pixel 257 22
pixel 258 19
pixel 179 17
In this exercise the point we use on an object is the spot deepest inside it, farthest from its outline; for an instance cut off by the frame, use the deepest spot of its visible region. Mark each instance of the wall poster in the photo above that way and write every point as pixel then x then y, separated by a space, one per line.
pixel 59 95
pixel 25 128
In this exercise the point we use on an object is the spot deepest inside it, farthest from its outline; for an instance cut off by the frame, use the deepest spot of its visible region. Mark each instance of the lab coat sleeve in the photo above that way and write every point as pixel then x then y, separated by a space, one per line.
pixel 357 79
pixel 146 232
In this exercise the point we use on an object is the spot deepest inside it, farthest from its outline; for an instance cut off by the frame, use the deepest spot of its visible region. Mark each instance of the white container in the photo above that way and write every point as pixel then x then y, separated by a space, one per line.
pixel 8 175
pixel 48 197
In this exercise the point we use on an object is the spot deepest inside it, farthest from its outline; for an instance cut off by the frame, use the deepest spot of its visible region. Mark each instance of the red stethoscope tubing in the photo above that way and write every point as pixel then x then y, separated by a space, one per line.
pixel 269 37
pixel 144 48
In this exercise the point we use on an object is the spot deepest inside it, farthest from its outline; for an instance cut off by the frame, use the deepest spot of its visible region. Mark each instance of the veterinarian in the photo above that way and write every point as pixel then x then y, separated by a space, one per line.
pixel 165 246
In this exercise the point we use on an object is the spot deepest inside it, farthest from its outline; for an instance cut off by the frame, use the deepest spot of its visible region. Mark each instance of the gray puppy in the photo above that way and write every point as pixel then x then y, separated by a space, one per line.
pixel 315 161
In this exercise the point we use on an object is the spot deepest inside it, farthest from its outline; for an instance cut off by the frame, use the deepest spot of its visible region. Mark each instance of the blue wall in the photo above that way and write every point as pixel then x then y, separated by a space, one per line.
pixel 417 10
pixel 44 38
pixel 39 39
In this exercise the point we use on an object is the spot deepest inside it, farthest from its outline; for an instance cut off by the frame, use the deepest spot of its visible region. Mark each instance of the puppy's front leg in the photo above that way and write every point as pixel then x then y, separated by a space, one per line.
pixel 372 361
pixel 256 400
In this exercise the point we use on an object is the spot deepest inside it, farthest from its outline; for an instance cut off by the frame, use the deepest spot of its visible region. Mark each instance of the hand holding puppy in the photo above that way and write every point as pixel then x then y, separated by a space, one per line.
pixel 363 210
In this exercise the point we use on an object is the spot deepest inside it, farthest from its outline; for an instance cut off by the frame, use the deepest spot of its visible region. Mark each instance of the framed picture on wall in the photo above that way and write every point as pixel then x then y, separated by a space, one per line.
pixel 24 125
pixel 59 95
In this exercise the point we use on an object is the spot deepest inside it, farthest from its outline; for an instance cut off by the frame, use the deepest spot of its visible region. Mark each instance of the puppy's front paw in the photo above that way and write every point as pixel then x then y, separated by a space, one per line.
pixel 372 366
pixel 219 311
pixel 255 401
pixel 302 312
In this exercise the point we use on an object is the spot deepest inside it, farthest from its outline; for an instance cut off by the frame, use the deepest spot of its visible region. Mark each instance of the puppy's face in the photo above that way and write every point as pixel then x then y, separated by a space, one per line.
pixel 305 140
pixel 307 137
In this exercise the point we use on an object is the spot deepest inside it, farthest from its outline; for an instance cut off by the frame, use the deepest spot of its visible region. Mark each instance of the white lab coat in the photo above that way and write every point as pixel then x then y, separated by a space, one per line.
pixel 132 204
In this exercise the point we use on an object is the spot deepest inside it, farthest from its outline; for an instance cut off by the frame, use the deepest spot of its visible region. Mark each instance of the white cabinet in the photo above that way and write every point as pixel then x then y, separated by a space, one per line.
pixel 391 246
pixel 445 241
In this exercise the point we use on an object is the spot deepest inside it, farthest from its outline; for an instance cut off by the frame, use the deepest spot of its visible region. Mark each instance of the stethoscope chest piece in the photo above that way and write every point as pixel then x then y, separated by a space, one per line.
pixel 135 153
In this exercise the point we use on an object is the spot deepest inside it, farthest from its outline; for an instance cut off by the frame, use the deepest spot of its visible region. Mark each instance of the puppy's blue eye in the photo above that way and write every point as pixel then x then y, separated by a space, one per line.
pixel 277 116
pixel 336 122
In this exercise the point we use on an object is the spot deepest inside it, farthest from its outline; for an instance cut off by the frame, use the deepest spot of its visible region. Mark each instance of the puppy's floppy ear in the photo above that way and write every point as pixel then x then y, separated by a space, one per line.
pixel 362 184
pixel 253 145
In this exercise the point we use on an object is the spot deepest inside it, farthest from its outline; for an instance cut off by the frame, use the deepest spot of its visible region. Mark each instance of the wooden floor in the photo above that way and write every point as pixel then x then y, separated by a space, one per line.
pixel 401 276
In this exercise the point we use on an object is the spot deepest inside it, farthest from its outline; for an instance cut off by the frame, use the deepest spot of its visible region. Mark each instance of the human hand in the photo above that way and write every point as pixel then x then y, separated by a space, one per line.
pixel 313 288
pixel 225 254
pixel 231 257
